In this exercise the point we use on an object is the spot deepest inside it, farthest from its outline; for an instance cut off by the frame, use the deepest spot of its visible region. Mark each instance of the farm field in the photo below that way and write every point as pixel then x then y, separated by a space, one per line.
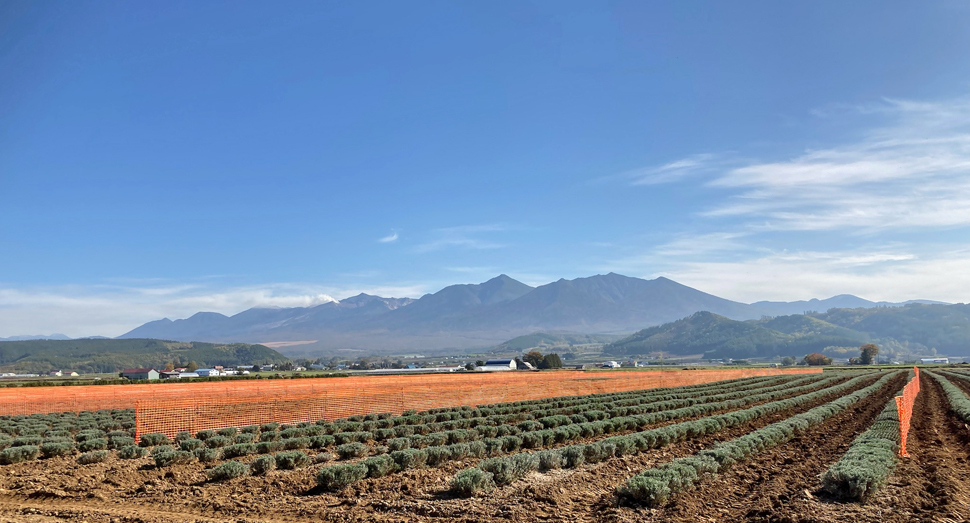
pixel 545 459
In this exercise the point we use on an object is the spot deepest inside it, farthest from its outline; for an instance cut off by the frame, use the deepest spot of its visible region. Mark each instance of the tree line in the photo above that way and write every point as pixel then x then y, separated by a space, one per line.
pixel 867 356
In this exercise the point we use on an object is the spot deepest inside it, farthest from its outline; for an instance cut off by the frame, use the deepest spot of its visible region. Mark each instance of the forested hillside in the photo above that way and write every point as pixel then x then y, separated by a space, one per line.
pixel 544 339
pixel 921 328
pixel 943 327
pixel 706 333
pixel 105 355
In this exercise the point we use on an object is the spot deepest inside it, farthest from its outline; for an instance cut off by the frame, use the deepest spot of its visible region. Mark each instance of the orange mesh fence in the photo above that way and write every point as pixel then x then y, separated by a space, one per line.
pixel 172 407
pixel 227 404
pixel 904 405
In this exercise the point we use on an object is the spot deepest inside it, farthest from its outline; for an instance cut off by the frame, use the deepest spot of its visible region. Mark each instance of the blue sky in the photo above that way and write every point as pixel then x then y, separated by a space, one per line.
pixel 160 159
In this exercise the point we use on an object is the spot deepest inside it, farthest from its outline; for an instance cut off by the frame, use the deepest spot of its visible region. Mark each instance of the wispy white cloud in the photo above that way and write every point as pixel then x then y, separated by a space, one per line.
pixel 469 229
pixel 672 171
pixel 464 237
pixel 389 238
pixel 749 272
pixel 471 270
pixel 695 244
pixel 111 310
pixel 891 276
pixel 467 243
pixel 911 173
pixel 907 173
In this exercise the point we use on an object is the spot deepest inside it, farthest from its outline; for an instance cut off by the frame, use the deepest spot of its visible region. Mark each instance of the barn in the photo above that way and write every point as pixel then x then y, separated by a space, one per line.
pixel 140 374
pixel 498 366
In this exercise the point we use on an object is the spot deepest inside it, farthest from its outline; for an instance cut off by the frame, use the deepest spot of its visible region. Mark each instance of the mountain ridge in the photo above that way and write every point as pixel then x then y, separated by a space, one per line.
pixel 470 315
pixel 915 328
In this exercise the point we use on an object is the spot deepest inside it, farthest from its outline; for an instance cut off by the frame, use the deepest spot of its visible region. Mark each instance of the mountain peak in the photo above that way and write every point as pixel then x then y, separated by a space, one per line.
pixel 208 316
pixel 501 279
pixel 501 288
pixel 360 297
pixel 364 299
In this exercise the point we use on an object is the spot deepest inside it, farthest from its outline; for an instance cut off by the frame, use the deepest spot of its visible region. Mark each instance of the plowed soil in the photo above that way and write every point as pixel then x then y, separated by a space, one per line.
pixel 779 485
pixel 783 485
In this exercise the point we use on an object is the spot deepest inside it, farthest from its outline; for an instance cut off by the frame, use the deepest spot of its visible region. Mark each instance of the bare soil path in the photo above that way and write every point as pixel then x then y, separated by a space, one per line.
pixel 932 485
pixel 765 488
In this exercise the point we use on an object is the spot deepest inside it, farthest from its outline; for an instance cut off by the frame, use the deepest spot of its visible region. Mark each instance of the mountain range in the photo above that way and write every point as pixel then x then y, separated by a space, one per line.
pixel 912 329
pixel 472 315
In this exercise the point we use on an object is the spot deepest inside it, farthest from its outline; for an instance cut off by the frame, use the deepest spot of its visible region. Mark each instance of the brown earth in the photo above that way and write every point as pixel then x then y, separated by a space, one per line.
pixel 782 485
pixel 779 485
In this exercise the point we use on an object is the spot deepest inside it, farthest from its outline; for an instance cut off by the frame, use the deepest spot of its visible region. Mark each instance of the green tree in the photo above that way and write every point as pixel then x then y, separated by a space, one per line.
pixel 817 358
pixel 869 352
pixel 470 366
pixel 550 361
pixel 192 367
pixel 533 357
pixel 788 361
pixel 479 363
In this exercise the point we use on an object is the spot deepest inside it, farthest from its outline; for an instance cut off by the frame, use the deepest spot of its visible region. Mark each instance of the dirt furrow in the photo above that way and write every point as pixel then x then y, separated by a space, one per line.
pixel 765 488
pixel 123 492
pixel 50 510
pixel 934 483
pixel 575 494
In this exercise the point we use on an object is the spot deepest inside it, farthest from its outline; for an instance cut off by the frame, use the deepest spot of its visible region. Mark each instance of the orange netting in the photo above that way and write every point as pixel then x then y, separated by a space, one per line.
pixel 172 407
pixel 904 405
pixel 292 401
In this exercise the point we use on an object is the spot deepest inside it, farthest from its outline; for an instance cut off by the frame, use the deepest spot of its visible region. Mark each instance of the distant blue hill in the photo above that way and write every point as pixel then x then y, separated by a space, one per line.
pixel 36 337
pixel 842 301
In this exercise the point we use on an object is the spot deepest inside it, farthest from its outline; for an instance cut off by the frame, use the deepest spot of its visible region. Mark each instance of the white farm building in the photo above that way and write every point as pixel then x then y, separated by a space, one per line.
pixel 498 365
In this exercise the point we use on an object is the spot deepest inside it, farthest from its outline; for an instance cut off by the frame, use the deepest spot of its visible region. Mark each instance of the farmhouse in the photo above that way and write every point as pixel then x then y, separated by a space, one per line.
pixel 208 372
pixel 416 370
pixel 498 366
pixel 934 360
pixel 140 374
